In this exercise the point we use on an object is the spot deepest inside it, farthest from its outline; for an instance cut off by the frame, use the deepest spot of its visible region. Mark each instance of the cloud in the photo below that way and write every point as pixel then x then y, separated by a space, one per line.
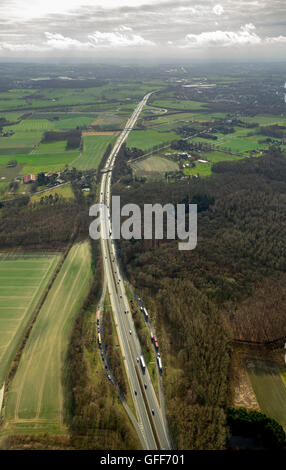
pixel 98 39
pixel 6 46
pixel 124 28
pixel 181 27
pixel 33 9
pixel 58 41
pixel 218 10
pixel 276 40
pixel 223 38
pixel 117 39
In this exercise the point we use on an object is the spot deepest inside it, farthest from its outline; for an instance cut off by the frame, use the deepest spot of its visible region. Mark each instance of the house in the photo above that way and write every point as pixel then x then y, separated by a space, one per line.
pixel 60 180
pixel 29 179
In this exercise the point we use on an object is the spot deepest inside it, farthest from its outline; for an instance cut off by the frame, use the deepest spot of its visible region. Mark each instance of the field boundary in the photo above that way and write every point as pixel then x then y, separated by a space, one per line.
pixel 99 133
pixel 275 342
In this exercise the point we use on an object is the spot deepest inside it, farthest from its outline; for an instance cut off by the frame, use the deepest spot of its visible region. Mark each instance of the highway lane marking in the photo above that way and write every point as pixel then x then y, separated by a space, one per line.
pixel 109 271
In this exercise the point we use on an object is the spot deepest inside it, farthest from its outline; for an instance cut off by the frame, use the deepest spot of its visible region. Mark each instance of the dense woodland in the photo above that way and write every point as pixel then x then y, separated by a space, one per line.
pixel 73 138
pixel 43 226
pixel 266 431
pixel 200 300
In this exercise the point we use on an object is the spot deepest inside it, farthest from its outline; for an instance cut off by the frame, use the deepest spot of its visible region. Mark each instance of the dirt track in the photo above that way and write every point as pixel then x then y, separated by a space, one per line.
pixel 1 397
pixel 91 133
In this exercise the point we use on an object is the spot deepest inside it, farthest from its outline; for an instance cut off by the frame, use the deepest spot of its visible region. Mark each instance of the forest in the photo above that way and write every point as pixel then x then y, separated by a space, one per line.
pixel 203 299
pixel 73 138
pixel 49 226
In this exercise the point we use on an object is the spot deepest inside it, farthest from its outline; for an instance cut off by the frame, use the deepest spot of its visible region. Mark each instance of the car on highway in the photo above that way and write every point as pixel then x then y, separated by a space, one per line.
pixel 135 392
pixel 145 385
pixel 137 359
pixel 130 332
pixel 153 412
pixel 109 377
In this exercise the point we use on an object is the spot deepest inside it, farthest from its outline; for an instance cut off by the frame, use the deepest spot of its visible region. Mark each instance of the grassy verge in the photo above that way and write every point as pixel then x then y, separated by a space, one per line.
pixel 114 355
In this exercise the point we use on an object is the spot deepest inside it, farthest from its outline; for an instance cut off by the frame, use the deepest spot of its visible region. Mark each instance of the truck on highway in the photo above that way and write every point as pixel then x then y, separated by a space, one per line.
pixel 99 340
pixel 156 342
pixel 159 360
pixel 146 315
pixel 98 317
pixel 142 363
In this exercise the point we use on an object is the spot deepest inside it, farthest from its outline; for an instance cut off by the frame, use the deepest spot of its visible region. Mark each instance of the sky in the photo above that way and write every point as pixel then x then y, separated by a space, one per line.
pixel 143 29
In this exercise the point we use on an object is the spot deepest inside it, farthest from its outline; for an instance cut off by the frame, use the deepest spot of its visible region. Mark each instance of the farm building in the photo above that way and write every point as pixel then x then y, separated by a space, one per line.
pixel 29 179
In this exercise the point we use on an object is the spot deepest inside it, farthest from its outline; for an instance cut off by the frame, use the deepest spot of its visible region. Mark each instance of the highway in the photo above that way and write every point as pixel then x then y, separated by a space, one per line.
pixel 151 419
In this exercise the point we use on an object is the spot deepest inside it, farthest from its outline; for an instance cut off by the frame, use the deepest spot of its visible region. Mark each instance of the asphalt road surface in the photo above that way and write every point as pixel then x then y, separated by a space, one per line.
pixel 151 419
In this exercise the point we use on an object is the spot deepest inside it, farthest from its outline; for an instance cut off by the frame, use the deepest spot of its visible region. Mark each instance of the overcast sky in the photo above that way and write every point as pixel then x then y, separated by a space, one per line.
pixel 151 29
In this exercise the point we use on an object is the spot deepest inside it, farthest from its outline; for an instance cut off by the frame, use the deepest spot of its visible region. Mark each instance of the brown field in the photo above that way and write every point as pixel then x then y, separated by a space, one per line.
pixel 90 134
pixel 154 166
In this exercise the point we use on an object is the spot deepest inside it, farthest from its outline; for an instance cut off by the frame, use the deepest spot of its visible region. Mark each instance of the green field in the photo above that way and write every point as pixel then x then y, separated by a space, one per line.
pixel 43 157
pixel 201 169
pixel 146 139
pixel 205 169
pixel 11 117
pixel 32 125
pixel 179 104
pixel 237 142
pixel 111 120
pixel 265 119
pixel 23 280
pixel 269 388
pixel 20 143
pixel 64 191
pixel 68 98
pixel 51 147
pixel 50 162
pixel 93 151
pixel 216 156
pixel 36 397
pixel 73 121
